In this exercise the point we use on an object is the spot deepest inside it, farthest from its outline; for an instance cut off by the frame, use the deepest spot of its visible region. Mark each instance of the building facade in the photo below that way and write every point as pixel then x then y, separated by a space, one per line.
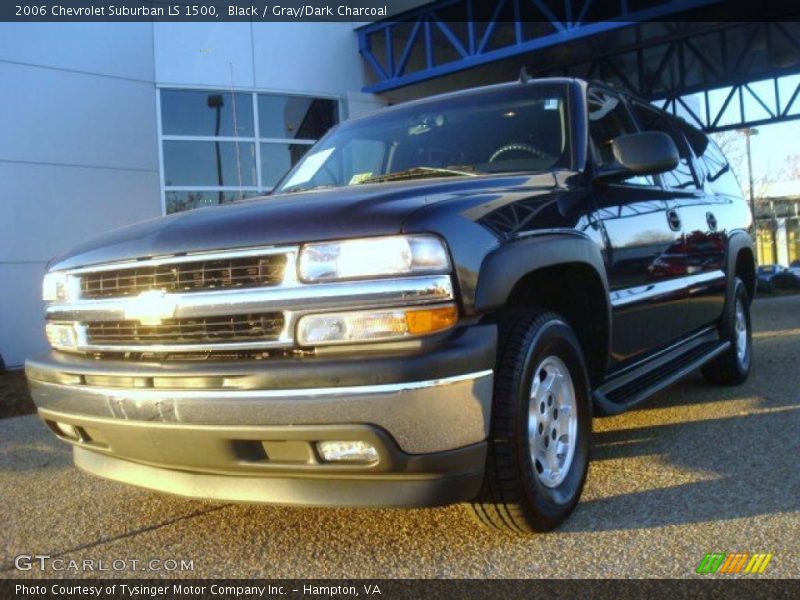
pixel 108 124
pixel 778 239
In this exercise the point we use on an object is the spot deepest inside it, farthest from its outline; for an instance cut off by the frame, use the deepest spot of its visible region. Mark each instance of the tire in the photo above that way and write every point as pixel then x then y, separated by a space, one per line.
pixel 734 365
pixel 520 492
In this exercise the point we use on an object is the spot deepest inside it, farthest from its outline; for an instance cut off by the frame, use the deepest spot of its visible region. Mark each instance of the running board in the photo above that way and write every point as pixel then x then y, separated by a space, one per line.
pixel 621 393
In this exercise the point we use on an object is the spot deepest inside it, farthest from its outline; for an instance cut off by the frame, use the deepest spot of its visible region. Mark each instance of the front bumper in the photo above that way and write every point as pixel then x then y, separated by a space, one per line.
pixel 247 430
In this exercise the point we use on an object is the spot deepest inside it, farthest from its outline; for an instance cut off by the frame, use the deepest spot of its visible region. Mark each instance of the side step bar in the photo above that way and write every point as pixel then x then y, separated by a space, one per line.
pixel 624 391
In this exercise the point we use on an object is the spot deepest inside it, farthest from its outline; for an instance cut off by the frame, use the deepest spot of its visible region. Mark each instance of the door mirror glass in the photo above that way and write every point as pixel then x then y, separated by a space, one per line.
pixel 646 153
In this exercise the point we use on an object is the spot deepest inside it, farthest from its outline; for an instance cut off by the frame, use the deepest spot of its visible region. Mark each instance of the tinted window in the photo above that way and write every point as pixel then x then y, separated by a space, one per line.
pixel 681 177
pixel 188 112
pixel 609 119
pixel 205 164
pixel 295 117
pixel 512 129
pixel 217 146
pixel 178 201
pixel 717 173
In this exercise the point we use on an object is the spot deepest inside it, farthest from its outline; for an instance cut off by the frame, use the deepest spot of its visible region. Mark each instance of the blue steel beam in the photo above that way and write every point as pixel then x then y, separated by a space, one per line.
pixel 395 73
pixel 728 116
pixel 724 76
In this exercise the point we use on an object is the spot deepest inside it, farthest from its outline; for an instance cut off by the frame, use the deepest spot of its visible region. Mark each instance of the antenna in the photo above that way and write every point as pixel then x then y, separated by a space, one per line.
pixel 236 133
pixel 523 75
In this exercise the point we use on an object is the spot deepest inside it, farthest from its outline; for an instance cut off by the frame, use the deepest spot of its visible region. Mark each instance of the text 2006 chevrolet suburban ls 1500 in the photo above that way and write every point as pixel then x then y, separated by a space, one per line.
pixel 428 309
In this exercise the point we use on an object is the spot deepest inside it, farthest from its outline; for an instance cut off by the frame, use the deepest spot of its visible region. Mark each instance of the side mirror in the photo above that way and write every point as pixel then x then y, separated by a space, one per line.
pixel 645 153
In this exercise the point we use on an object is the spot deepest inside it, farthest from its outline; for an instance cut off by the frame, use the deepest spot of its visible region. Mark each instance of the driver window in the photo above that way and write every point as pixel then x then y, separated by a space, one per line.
pixel 609 119
pixel 681 177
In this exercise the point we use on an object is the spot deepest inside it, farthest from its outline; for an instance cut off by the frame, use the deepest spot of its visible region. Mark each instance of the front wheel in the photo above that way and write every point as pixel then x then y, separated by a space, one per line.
pixel 541 426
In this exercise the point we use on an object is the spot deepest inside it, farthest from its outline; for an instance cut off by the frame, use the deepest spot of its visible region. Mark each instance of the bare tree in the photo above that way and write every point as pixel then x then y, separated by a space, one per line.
pixel 732 144
pixel 793 166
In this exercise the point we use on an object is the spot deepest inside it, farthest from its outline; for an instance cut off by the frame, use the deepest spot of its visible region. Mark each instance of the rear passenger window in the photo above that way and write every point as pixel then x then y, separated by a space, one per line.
pixel 609 119
pixel 718 175
pixel 681 177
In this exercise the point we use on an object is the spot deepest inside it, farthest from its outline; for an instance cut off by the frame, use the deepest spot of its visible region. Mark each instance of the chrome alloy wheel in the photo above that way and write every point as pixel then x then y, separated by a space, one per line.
pixel 741 333
pixel 552 421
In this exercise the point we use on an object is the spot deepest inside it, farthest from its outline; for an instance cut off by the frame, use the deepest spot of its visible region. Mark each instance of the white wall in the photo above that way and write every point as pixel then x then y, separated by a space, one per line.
pixel 78 154
pixel 305 58
pixel 79 150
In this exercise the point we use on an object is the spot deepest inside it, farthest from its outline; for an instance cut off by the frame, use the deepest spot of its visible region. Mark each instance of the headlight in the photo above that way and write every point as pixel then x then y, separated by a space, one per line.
pixel 373 257
pixel 58 287
pixel 374 325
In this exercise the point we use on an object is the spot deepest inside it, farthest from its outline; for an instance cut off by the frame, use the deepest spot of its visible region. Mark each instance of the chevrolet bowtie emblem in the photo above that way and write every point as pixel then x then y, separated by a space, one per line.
pixel 150 308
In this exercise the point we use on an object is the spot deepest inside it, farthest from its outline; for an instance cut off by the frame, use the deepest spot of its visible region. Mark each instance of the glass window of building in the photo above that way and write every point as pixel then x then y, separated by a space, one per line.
pixel 221 146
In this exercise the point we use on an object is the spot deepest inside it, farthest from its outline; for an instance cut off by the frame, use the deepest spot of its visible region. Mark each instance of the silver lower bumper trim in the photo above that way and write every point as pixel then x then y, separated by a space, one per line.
pixel 422 416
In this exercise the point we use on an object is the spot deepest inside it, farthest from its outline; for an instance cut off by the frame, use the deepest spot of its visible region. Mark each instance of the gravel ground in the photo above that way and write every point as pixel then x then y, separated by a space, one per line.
pixel 14 397
pixel 697 469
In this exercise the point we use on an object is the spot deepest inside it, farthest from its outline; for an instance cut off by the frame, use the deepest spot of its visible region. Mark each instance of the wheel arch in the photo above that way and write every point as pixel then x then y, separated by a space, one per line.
pixel 564 273
pixel 741 262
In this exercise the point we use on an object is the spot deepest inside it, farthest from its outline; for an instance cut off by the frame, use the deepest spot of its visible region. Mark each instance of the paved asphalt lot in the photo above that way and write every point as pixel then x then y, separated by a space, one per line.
pixel 696 469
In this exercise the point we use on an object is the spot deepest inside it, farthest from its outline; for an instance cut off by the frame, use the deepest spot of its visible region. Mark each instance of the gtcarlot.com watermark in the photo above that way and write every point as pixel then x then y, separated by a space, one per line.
pixel 46 563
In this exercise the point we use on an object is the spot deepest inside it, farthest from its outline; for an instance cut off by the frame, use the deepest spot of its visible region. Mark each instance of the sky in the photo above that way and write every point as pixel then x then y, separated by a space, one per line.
pixel 774 144
pixel 771 149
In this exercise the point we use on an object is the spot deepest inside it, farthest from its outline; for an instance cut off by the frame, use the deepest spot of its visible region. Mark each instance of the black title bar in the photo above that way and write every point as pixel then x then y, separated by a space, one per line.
pixel 396 589
pixel 359 11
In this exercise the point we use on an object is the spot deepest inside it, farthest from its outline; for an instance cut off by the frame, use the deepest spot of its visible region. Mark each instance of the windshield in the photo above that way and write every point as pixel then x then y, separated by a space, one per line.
pixel 512 129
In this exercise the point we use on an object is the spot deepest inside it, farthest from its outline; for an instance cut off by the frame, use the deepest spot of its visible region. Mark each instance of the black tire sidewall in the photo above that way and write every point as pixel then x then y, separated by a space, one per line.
pixel 740 294
pixel 554 338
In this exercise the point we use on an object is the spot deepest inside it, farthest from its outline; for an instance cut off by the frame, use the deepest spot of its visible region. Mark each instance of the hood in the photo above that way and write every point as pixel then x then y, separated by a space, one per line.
pixel 365 210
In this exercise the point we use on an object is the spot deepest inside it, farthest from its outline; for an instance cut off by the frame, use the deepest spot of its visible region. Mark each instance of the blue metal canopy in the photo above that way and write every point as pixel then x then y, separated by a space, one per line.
pixel 477 32
pixel 716 74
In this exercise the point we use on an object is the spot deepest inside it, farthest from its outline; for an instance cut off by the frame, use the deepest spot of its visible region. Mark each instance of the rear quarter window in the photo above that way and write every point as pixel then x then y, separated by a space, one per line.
pixel 717 172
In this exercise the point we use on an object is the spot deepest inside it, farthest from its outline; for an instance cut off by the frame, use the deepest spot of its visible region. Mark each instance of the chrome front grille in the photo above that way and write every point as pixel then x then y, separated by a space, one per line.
pixel 216 302
pixel 233 329
pixel 204 275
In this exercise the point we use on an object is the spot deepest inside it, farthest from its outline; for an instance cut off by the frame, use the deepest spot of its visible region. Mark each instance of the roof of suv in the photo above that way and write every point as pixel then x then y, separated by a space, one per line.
pixel 477 90
pixel 525 81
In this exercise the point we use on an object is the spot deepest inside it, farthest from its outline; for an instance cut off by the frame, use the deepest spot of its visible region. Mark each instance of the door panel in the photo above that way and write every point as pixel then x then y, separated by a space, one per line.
pixel 704 238
pixel 709 221
pixel 645 260
pixel 705 244
pixel 646 269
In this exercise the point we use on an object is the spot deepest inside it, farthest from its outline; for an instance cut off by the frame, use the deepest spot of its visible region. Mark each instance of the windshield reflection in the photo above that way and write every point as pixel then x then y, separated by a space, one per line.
pixel 519 128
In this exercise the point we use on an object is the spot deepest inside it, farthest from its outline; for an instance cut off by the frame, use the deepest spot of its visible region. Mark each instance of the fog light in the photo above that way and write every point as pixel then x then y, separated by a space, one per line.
pixel 374 326
pixel 356 451
pixel 61 335
pixel 68 431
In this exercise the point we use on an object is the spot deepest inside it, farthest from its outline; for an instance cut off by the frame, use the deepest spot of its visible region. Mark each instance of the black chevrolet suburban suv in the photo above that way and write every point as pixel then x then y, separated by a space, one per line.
pixel 428 309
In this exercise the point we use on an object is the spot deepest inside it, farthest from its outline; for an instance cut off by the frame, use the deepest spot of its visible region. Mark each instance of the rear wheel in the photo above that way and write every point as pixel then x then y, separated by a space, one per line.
pixel 733 366
pixel 541 426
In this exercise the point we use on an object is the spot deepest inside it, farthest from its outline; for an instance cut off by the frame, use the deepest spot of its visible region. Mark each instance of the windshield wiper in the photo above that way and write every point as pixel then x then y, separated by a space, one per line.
pixel 418 172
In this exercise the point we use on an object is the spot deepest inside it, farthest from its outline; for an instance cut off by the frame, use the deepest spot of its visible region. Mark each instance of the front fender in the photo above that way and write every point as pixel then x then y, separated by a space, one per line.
pixel 503 268
pixel 506 267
